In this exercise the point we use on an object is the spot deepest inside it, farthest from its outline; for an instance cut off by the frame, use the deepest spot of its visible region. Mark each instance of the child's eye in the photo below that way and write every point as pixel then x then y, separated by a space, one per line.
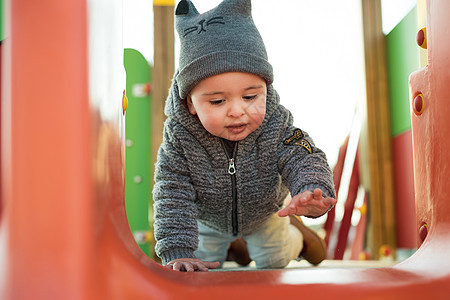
pixel 250 97
pixel 215 102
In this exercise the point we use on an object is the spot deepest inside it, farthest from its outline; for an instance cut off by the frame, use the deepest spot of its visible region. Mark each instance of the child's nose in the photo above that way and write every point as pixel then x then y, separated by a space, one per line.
pixel 236 109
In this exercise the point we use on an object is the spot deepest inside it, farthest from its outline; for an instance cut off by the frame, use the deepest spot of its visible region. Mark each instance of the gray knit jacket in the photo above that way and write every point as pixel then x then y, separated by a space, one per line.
pixel 193 184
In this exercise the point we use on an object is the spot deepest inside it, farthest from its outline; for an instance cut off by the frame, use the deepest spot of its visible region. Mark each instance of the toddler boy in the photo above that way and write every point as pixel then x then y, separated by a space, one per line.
pixel 231 156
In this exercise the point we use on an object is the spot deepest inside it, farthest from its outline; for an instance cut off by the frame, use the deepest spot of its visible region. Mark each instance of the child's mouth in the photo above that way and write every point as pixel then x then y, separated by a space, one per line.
pixel 236 129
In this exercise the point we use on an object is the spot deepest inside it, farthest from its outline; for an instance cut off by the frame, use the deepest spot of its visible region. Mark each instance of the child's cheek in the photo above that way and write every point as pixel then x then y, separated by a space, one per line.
pixel 258 111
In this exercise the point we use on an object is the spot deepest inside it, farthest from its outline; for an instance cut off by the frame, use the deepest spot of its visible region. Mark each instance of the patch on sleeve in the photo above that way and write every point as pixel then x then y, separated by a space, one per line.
pixel 297 140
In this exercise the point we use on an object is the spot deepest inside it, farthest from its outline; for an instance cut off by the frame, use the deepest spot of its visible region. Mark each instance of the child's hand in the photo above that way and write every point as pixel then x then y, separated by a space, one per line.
pixel 310 204
pixel 191 265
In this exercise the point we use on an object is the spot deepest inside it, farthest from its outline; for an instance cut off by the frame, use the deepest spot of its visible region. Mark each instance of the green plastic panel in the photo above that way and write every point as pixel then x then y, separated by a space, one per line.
pixel 2 21
pixel 402 59
pixel 138 167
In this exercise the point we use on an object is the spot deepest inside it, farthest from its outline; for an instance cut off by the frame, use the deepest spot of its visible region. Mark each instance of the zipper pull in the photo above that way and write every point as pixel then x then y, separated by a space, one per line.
pixel 231 167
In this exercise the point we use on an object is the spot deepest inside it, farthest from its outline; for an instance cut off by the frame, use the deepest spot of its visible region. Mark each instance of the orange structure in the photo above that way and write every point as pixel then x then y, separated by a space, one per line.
pixel 64 232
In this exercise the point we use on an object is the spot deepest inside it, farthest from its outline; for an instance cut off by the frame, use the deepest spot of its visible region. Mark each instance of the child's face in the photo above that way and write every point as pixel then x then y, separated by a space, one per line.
pixel 229 105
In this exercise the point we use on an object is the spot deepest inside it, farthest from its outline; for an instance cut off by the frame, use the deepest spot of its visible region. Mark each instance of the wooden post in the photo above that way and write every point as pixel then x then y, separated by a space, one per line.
pixel 381 229
pixel 164 66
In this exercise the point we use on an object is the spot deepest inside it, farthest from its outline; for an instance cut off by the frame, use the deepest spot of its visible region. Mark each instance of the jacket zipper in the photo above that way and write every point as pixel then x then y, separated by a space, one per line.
pixel 232 172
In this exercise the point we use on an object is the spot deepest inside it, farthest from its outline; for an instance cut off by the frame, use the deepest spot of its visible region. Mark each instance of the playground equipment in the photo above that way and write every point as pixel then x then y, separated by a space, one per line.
pixel 138 171
pixel 64 232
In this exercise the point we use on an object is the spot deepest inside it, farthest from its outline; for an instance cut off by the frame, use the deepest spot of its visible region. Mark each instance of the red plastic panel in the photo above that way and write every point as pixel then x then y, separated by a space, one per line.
pixel 404 193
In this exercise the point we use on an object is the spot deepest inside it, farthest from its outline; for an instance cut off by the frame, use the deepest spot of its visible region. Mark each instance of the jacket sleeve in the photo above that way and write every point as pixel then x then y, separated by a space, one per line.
pixel 302 165
pixel 175 226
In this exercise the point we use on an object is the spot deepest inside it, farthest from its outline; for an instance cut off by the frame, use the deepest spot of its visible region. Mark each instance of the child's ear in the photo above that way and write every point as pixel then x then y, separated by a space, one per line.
pixel 190 105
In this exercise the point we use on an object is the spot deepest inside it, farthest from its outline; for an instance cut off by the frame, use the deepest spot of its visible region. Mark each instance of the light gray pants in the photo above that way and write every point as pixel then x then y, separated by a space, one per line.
pixel 273 245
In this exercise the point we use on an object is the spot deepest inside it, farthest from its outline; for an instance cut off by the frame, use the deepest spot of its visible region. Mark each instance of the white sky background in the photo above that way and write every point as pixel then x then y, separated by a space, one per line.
pixel 315 48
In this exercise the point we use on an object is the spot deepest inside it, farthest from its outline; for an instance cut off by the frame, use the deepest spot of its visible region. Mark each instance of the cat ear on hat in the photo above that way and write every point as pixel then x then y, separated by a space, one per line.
pixel 185 7
pixel 182 8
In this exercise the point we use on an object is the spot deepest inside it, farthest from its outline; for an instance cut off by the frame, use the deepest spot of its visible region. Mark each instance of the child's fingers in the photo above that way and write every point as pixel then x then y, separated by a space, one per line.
pixel 194 266
pixel 199 267
pixel 317 194
pixel 189 267
pixel 204 266
pixel 288 210
pixel 211 265
pixel 330 201
pixel 304 197
pixel 178 266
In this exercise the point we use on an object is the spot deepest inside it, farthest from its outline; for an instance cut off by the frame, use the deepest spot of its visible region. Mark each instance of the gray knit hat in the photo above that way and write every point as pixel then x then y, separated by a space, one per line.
pixel 224 39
